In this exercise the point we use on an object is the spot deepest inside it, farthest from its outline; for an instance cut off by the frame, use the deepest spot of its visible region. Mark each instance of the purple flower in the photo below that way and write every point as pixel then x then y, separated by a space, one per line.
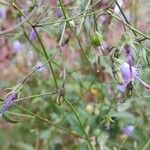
pixel 129 76
pixel 103 19
pixel 9 101
pixel 128 130
pixel 2 13
pixel 129 55
pixel 17 46
pixel 32 35
pixel 40 67
pixel 58 13
pixel 21 3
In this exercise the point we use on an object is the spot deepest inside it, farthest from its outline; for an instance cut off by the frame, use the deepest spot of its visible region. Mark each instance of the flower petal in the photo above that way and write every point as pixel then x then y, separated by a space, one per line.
pixel 128 130
pixel 126 72
pixel 32 35
pixel 122 88
pixel 144 83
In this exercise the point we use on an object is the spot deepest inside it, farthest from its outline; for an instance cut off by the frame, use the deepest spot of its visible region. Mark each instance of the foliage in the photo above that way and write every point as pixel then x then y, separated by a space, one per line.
pixel 74 75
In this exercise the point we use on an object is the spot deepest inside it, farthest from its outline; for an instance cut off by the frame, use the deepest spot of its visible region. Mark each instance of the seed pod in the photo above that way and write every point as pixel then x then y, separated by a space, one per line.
pixel 116 53
pixel 129 89
pixel 59 99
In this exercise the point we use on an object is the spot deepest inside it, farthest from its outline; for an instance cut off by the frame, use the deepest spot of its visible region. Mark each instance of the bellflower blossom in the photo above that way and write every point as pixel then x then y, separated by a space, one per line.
pixel 40 67
pixel 2 13
pixel 17 46
pixel 32 35
pixel 103 19
pixel 129 76
pixel 128 130
pixel 58 13
pixel 9 101
pixel 128 54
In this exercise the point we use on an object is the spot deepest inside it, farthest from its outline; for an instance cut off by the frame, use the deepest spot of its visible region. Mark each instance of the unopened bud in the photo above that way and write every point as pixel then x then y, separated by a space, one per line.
pixel 97 39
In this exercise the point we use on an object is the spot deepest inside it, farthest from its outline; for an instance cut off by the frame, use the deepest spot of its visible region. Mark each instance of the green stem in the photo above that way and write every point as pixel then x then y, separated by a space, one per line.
pixel 132 28
pixel 41 43
pixel 33 45
pixel 47 57
pixel 147 145
pixel 48 121
pixel 68 19
pixel 124 16
pixel 78 118
pixel 65 15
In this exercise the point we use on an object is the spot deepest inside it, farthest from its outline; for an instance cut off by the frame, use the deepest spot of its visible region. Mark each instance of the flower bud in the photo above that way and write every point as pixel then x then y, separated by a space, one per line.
pixel 97 39
pixel 128 130
pixel 59 99
pixel 8 102
pixel 116 53
pixel 2 13
pixel 58 13
pixel 32 35
pixel 17 46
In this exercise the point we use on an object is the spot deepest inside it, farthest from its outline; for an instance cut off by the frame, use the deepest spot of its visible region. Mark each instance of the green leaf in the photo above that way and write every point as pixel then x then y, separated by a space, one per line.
pixel 7 118
pixel 1 100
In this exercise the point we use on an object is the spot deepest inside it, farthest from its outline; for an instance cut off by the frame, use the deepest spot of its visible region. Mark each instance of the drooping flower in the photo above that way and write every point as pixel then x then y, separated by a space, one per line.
pixel 128 130
pixel 129 77
pixel 9 101
pixel 17 46
pixel 128 54
pixel 2 13
pixel 58 13
pixel 32 35
pixel 40 67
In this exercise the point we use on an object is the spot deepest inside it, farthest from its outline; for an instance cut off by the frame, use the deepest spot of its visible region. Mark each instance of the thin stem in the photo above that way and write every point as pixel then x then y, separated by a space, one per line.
pixel 37 68
pixel 65 15
pixel 47 57
pixel 41 43
pixel 123 142
pixel 19 24
pixel 49 122
pixel 124 16
pixel 78 118
pixel 27 37
pixel 68 19
pixel 84 16
pixel 132 28
pixel 42 13
pixel 147 145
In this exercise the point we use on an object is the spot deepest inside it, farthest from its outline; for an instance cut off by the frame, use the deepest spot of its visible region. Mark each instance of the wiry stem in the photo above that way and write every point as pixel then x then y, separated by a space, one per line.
pixel 78 118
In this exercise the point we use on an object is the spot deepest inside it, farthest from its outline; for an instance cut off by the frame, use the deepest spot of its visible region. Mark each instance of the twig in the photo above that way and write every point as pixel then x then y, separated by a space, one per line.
pixel 132 28
pixel 19 24
pixel 65 15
